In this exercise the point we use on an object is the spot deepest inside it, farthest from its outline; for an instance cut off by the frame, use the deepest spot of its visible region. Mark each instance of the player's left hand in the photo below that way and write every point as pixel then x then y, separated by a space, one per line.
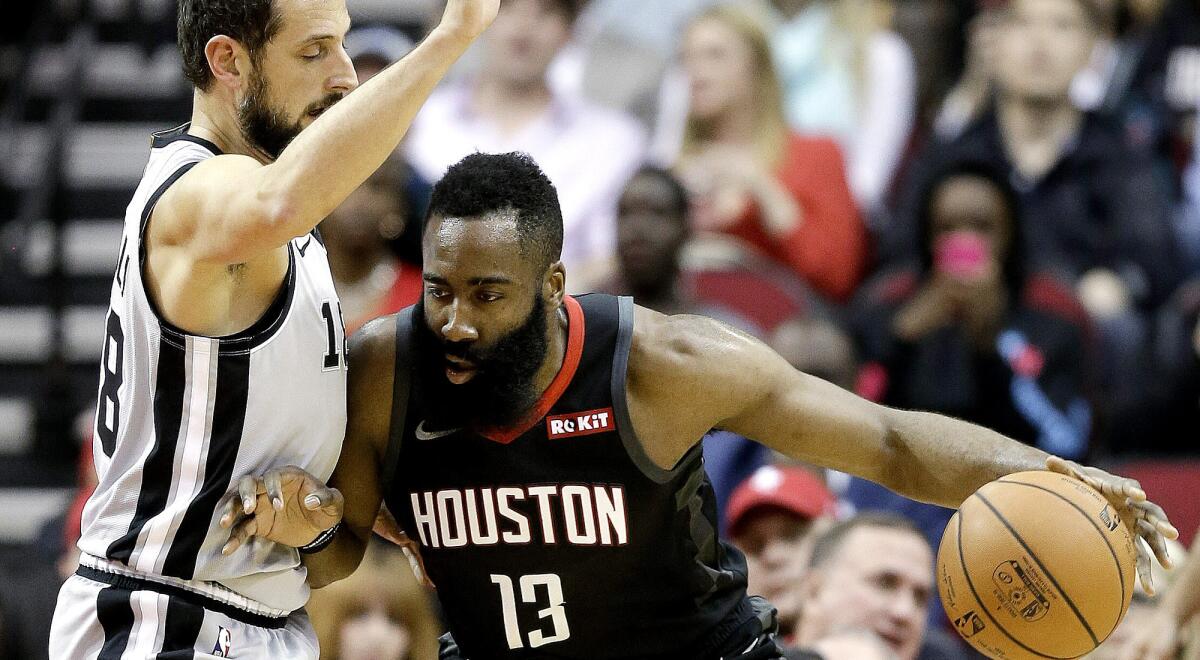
pixel 387 527
pixel 1144 518
pixel 286 505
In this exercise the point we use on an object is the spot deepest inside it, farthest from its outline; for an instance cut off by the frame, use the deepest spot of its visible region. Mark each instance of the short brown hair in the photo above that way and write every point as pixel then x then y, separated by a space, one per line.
pixel 253 23
pixel 827 545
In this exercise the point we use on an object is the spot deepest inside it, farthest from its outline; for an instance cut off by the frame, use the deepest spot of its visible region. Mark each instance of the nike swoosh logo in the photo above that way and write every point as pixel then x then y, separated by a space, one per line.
pixel 422 434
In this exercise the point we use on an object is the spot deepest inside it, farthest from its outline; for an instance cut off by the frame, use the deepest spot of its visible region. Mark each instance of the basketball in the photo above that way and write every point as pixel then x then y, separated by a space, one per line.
pixel 1036 565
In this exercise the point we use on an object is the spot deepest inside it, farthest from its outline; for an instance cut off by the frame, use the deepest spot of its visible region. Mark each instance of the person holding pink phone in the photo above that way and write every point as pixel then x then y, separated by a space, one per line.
pixel 970 331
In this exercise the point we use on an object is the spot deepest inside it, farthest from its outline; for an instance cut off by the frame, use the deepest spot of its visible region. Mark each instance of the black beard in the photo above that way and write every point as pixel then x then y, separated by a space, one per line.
pixel 502 390
pixel 265 128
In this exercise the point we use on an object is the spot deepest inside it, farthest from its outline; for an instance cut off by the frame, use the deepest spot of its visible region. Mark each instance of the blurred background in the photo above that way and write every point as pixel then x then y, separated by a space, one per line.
pixel 986 208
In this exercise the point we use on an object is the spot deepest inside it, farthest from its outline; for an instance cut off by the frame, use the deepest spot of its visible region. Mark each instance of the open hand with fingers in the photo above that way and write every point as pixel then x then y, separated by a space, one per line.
pixel 1144 518
pixel 286 505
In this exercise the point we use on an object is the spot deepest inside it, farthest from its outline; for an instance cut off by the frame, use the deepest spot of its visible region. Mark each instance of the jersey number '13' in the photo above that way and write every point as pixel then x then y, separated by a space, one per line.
pixel 529 587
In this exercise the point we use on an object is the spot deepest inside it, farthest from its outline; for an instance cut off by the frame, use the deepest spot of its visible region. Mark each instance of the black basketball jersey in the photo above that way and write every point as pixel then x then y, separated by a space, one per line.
pixel 560 538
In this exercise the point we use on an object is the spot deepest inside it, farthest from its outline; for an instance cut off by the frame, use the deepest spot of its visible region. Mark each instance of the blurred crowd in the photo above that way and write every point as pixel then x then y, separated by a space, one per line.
pixel 985 208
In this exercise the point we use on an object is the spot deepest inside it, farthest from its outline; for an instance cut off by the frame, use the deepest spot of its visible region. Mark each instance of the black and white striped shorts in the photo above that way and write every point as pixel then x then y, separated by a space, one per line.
pixel 103 616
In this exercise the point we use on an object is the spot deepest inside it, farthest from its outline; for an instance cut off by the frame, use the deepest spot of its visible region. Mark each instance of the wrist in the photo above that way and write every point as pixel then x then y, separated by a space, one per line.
pixel 322 540
pixel 451 36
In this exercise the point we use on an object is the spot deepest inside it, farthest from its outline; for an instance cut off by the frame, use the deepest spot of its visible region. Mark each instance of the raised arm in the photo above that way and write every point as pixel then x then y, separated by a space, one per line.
pixel 688 374
pixel 354 492
pixel 231 209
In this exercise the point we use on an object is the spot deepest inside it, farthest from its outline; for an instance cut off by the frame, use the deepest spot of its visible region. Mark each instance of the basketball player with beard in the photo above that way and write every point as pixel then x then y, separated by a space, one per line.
pixel 544 449
pixel 224 351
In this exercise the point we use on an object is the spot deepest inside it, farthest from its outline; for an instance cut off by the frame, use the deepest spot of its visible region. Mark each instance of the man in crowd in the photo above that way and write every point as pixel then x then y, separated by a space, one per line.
pixel 508 105
pixel 772 517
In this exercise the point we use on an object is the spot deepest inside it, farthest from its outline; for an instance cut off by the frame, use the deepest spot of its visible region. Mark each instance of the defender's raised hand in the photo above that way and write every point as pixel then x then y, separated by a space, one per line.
pixel 469 18
pixel 1144 518
pixel 286 505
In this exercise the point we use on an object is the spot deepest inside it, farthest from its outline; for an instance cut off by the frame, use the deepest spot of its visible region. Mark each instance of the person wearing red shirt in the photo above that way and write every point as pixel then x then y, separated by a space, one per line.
pixel 783 194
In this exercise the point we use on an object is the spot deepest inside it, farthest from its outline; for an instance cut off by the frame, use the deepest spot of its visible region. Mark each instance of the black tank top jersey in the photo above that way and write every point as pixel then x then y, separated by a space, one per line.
pixel 561 539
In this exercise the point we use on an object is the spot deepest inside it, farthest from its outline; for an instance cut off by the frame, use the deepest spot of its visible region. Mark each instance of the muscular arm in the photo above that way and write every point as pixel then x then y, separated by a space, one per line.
pixel 689 374
pixel 231 209
pixel 357 476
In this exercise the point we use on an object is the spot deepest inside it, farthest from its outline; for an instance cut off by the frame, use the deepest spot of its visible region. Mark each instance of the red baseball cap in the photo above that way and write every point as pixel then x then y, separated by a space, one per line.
pixel 791 489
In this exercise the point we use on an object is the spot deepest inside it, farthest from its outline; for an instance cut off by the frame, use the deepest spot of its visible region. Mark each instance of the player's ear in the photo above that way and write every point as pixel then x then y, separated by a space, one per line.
pixel 228 60
pixel 554 287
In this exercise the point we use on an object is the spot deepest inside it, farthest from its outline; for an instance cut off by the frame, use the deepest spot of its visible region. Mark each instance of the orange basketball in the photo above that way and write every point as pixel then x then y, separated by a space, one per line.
pixel 1036 565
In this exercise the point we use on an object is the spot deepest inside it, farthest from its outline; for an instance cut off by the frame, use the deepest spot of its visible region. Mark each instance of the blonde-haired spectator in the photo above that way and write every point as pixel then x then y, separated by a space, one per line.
pixel 779 192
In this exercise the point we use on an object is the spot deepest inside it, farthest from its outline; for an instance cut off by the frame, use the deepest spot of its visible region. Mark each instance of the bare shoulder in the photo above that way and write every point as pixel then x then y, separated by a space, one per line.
pixel 685 343
pixel 697 362
pixel 207 182
pixel 371 355
pixel 372 348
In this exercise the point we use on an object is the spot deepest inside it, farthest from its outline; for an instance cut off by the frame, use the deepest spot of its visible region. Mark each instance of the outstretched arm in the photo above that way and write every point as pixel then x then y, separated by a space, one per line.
pixel 354 492
pixel 689 374
pixel 232 208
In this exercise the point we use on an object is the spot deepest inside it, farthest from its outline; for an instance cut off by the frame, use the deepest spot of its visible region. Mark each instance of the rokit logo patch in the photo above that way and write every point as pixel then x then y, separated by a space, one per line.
pixel 581 423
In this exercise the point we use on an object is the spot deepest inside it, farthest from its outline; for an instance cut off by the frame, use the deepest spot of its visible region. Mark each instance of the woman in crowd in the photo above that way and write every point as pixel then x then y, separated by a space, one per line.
pixel 783 194
pixel 969 332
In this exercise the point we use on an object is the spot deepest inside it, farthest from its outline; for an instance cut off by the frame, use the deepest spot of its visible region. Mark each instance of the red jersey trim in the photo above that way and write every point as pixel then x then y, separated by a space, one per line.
pixel 559 385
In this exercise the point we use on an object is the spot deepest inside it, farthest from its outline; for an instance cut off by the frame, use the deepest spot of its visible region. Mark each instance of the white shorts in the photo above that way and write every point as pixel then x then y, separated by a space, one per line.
pixel 97 620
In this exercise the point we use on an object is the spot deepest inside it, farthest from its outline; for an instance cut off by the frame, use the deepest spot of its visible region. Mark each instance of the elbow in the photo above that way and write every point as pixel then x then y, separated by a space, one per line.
pixel 280 215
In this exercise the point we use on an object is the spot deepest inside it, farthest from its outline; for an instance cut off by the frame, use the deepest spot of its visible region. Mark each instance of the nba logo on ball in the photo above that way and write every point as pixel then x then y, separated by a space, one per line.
pixel 224 643
pixel 1036 565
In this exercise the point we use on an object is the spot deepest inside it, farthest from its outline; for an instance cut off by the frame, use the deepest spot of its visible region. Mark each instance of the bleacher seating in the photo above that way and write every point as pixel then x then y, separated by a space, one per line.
pixel 51 318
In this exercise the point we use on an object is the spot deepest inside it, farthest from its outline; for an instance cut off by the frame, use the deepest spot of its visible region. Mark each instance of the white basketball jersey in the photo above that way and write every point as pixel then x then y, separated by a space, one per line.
pixel 182 417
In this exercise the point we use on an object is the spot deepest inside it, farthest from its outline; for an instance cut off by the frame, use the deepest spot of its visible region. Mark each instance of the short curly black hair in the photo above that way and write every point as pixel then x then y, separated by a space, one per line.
pixel 252 22
pixel 483 184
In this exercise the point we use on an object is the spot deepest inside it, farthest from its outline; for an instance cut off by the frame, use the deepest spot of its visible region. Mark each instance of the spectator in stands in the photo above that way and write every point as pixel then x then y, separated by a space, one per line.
pixel 652 229
pixel 782 194
pixel 772 517
pixel 372 49
pixel 845 74
pixel 588 152
pixel 379 613
pixel 1158 97
pixel 873 571
pixel 971 332
pixel 972 92
pixel 1094 210
pixel 371 281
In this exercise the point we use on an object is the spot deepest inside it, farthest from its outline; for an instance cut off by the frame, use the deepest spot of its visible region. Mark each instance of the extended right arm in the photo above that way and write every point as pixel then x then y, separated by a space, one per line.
pixel 231 209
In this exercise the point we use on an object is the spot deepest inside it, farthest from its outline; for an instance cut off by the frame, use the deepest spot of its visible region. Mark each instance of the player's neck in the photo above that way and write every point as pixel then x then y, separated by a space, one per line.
pixel 215 120
pixel 556 352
